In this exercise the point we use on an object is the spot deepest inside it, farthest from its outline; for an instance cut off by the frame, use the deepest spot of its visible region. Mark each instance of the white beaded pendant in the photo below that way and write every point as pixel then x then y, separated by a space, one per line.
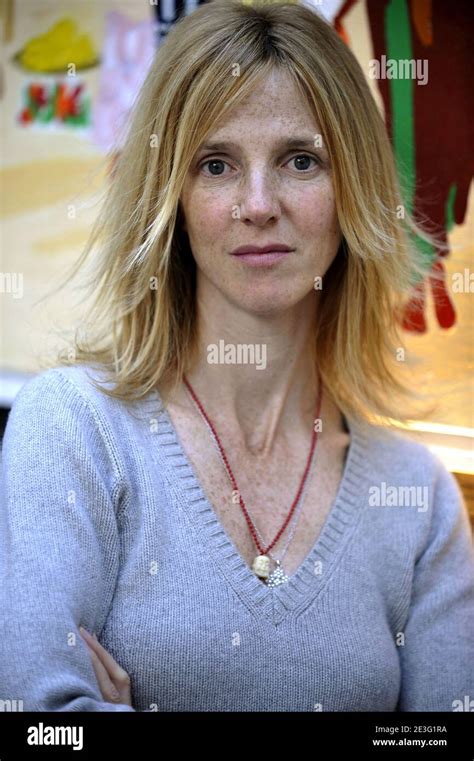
pixel 278 576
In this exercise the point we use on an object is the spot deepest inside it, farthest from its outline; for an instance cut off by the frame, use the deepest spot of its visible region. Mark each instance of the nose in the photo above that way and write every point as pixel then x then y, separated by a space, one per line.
pixel 259 200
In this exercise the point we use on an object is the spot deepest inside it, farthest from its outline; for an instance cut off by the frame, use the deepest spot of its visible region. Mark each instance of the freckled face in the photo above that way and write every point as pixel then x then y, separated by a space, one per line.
pixel 257 190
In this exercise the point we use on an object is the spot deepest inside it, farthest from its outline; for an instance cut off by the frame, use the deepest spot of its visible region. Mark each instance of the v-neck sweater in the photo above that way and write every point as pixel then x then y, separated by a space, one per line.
pixel 104 524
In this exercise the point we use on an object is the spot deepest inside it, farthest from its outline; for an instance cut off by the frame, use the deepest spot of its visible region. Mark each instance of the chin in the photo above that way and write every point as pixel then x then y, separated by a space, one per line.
pixel 265 305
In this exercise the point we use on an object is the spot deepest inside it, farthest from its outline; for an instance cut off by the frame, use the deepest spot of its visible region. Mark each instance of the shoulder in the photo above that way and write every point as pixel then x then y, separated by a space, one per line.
pixel 65 407
pixel 60 408
pixel 404 472
pixel 61 389
pixel 391 451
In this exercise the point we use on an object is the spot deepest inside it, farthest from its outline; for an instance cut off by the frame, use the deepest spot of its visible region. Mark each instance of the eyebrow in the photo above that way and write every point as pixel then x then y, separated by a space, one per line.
pixel 292 142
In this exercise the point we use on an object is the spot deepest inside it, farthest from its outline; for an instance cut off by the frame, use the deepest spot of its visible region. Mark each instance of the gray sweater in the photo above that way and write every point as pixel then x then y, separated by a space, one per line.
pixel 104 524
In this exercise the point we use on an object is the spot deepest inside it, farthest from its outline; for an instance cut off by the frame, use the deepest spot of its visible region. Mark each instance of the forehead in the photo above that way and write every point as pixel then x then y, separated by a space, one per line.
pixel 276 107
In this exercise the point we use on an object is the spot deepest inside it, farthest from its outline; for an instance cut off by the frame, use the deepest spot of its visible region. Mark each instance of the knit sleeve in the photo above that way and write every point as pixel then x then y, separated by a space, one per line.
pixel 437 657
pixel 59 546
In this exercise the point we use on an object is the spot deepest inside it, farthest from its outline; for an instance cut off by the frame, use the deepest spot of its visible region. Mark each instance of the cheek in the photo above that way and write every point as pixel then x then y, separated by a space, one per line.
pixel 317 213
pixel 207 213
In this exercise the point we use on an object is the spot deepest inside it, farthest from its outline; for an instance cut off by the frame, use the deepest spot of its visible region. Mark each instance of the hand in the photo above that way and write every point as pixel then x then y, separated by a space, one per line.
pixel 114 682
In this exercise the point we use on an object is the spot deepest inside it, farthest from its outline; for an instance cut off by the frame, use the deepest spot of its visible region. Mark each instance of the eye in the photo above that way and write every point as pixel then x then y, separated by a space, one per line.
pixel 303 158
pixel 216 165
pixel 213 163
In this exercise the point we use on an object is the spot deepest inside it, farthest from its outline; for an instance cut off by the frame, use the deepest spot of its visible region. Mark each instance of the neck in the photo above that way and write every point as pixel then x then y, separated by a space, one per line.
pixel 256 402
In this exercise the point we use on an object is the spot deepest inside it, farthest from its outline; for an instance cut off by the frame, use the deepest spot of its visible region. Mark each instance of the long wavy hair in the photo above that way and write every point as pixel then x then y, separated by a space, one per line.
pixel 141 327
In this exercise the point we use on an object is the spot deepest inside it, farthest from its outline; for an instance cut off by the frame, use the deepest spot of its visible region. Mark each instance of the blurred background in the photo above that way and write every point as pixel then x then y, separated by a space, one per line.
pixel 70 73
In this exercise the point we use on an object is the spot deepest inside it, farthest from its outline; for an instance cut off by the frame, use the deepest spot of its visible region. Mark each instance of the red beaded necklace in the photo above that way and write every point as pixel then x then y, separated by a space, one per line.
pixel 261 564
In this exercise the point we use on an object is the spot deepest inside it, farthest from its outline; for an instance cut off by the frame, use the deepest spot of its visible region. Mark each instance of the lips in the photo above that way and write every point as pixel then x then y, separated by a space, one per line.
pixel 269 248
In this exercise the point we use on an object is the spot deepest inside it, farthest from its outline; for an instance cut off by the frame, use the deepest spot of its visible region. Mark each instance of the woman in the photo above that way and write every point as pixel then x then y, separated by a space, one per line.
pixel 206 484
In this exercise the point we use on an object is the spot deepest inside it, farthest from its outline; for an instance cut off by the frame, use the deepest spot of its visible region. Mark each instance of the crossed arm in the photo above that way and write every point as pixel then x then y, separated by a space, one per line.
pixel 113 680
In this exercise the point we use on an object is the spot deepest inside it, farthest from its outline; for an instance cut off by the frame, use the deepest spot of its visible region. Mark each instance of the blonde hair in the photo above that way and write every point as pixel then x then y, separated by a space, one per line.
pixel 142 324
